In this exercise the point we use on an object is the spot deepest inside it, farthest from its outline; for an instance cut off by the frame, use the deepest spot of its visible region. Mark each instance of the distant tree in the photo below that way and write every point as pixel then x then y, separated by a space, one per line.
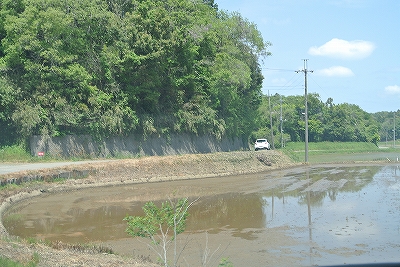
pixel 388 122
pixel 326 121
pixel 348 122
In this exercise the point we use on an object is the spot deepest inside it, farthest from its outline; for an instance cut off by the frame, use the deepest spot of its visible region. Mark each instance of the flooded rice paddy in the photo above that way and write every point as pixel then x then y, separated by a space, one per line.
pixel 318 215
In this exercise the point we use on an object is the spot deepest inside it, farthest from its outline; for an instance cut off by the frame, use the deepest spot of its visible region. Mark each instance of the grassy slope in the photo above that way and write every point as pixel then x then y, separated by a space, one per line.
pixel 14 154
pixel 318 152
pixel 340 152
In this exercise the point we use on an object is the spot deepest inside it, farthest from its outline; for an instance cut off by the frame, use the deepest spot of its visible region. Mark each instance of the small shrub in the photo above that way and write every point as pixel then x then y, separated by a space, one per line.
pixel 156 225
pixel 225 263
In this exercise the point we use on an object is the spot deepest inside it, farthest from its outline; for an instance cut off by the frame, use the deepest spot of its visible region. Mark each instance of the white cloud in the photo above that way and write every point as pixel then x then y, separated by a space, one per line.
pixel 392 89
pixel 339 48
pixel 336 71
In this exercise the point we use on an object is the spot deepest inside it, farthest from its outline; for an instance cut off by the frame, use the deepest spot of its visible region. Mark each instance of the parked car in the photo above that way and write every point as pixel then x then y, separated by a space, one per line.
pixel 262 144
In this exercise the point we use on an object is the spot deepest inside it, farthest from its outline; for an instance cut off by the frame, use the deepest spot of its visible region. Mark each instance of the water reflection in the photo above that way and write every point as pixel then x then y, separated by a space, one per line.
pixel 233 210
pixel 330 211
pixel 237 210
pixel 310 188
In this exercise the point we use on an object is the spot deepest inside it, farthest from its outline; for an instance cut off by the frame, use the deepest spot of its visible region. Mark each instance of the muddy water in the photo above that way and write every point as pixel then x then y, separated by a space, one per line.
pixel 320 215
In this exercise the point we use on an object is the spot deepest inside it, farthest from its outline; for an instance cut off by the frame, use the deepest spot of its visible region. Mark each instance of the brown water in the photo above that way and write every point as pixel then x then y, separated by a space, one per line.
pixel 304 216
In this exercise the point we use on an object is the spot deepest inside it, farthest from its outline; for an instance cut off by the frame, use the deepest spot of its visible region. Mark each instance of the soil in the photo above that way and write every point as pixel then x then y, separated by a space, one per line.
pixel 127 171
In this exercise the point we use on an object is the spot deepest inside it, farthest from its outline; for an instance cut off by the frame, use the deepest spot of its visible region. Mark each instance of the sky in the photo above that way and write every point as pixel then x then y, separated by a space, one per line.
pixel 352 48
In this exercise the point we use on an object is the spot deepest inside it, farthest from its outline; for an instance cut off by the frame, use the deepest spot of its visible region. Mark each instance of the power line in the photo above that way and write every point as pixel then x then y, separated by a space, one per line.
pixel 289 85
pixel 277 69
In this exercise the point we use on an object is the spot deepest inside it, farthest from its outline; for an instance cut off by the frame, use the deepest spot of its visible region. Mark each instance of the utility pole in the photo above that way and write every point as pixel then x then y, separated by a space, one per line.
pixel 306 107
pixel 394 129
pixel 281 120
pixel 270 121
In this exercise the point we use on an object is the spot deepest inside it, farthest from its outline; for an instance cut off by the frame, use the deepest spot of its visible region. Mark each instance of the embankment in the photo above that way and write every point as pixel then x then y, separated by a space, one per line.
pixel 138 170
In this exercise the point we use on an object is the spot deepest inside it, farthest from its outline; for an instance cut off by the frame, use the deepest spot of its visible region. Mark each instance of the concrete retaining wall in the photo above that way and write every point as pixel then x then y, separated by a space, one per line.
pixel 85 145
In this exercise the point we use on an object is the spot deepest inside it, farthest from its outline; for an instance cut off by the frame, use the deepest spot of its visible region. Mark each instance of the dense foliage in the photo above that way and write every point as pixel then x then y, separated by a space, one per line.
pixel 389 124
pixel 116 67
pixel 326 121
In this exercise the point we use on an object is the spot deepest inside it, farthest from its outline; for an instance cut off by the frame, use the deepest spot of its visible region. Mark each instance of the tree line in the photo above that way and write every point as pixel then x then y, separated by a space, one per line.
pixel 151 67
pixel 327 121
pixel 389 123
pixel 105 68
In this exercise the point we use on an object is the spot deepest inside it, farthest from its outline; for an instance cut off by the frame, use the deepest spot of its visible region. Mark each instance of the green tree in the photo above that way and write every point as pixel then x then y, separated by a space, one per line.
pixel 235 81
pixel 52 54
pixel 326 121
pixel 388 121
pixel 115 67
pixel 157 225
pixel 348 122
pixel 8 98
pixel 293 117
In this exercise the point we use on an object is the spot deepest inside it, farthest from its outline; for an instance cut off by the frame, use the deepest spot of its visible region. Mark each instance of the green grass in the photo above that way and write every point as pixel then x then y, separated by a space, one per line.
pixel 5 262
pixel 389 144
pixel 325 152
pixel 16 153
pixel 333 146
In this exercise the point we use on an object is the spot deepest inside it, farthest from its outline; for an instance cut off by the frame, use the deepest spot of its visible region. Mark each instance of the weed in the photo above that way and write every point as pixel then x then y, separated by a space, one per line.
pixel 32 240
pixel 11 263
pixel 14 153
pixel 225 263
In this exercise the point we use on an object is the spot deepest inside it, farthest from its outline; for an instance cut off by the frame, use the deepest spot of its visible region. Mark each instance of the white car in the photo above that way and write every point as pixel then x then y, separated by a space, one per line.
pixel 261 144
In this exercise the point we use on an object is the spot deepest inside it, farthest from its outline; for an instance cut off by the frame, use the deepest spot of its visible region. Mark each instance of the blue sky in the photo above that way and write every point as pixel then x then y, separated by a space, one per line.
pixel 353 47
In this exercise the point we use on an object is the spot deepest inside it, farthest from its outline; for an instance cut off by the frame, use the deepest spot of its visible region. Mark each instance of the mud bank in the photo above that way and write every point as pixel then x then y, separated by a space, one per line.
pixel 128 171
